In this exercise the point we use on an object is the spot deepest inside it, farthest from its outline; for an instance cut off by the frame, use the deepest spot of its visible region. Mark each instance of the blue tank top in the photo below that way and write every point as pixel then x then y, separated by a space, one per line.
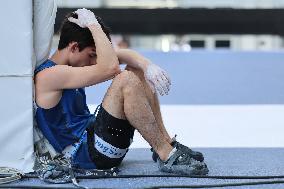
pixel 65 123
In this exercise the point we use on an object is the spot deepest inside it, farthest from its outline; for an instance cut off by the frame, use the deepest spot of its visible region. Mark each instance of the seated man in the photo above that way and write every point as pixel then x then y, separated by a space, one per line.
pixel 85 57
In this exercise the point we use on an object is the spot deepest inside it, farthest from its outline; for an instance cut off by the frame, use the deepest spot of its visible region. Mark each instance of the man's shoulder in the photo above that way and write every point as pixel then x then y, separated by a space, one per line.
pixel 46 64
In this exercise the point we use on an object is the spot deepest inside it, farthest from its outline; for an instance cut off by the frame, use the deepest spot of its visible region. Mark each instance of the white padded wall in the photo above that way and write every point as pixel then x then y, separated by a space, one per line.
pixel 16 37
pixel 16 134
pixel 16 115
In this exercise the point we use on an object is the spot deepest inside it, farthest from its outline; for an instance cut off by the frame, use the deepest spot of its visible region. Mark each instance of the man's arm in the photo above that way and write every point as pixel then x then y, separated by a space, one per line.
pixel 132 58
pixel 68 77
pixel 106 68
pixel 106 56
pixel 104 50
pixel 156 77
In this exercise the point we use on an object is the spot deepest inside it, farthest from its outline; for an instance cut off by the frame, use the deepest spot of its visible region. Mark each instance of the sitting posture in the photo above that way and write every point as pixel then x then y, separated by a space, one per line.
pixel 85 57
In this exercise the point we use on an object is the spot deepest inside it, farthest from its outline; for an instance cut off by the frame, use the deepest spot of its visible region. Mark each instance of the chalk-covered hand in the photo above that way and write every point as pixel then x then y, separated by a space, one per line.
pixel 158 79
pixel 85 18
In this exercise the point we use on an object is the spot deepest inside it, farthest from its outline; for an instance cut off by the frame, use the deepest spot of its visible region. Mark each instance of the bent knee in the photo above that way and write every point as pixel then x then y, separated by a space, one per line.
pixel 127 76
pixel 128 79
pixel 137 72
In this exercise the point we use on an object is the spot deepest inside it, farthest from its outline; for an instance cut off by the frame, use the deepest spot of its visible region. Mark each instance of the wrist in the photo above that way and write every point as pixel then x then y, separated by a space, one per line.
pixel 144 65
pixel 94 26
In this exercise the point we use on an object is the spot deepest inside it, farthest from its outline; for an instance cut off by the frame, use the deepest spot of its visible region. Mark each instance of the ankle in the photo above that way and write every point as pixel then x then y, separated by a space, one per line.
pixel 170 141
pixel 165 152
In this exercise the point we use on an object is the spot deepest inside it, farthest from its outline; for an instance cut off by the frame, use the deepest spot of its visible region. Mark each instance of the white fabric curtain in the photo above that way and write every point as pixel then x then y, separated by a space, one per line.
pixel 44 19
pixel 43 28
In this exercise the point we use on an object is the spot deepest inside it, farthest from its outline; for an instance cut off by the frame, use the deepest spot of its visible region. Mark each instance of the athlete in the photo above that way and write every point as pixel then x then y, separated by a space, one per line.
pixel 86 57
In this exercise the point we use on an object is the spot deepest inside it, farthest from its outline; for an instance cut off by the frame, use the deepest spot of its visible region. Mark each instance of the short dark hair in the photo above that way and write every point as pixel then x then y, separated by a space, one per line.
pixel 71 32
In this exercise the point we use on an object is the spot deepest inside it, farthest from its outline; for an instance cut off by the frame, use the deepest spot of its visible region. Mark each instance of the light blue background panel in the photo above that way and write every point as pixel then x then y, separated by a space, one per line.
pixel 216 77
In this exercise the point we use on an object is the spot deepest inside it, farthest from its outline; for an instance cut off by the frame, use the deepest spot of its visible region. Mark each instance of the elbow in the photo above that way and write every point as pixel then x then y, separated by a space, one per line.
pixel 112 69
pixel 116 70
pixel 116 67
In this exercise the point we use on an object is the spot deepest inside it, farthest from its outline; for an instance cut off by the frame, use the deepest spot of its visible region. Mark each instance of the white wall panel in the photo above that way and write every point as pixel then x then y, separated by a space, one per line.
pixel 16 58
pixel 16 115
pixel 16 37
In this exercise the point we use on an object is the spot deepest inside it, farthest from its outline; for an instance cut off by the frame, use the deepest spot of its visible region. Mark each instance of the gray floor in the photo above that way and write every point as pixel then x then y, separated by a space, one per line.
pixel 221 161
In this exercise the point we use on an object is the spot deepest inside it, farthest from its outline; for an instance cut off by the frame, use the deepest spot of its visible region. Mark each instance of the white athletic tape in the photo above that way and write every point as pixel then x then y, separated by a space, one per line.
pixel 102 146
pixel 107 149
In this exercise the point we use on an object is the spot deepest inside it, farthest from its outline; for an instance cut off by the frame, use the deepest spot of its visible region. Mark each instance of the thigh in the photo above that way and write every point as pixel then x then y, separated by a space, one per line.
pixel 140 74
pixel 113 100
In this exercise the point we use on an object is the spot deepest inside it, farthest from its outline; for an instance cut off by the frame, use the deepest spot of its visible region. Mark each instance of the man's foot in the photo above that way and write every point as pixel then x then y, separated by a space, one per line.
pixel 194 154
pixel 182 163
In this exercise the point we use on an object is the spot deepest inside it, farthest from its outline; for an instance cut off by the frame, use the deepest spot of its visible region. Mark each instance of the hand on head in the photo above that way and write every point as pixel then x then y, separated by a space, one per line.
pixel 85 18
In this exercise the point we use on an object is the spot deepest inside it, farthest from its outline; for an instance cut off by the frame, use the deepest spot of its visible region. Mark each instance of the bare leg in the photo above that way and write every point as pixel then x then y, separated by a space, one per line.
pixel 154 102
pixel 126 99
